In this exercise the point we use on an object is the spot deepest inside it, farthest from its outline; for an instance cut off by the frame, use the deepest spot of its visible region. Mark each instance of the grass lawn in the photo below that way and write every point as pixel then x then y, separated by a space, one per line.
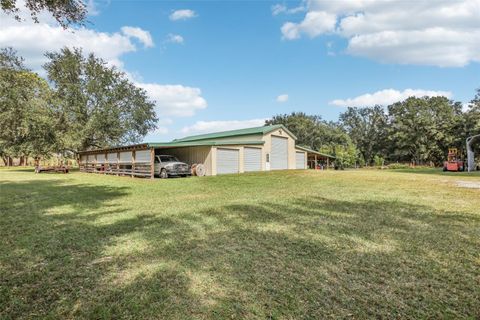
pixel 280 245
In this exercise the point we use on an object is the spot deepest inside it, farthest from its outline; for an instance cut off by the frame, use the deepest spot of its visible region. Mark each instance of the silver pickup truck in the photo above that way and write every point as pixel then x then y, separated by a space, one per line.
pixel 168 166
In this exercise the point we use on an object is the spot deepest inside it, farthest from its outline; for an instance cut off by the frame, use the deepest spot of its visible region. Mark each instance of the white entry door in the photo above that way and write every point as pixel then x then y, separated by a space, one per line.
pixel 227 161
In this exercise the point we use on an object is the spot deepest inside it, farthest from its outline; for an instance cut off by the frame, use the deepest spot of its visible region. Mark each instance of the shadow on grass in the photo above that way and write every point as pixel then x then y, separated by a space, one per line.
pixel 307 258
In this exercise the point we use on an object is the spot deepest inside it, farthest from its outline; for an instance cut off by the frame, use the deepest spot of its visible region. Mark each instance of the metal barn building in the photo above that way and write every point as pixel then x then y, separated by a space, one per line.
pixel 237 151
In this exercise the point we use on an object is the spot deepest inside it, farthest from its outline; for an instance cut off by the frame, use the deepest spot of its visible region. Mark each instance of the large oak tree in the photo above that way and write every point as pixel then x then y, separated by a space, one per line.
pixel 27 120
pixel 97 105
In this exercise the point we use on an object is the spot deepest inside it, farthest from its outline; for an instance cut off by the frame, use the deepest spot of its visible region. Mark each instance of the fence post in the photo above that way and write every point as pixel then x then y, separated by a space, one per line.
pixel 152 163
pixel 118 163
pixel 133 163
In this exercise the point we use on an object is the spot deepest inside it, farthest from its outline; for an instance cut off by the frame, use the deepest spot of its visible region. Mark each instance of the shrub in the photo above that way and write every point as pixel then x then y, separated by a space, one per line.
pixel 398 166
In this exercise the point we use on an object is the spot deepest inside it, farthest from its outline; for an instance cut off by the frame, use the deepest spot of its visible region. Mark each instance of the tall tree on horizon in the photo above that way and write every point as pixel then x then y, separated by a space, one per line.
pixel 422 129
pixel 26 114
pixel 97 105
pixel 367 127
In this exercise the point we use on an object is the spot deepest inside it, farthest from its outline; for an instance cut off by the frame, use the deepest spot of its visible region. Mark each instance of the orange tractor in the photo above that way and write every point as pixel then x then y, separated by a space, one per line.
pixel 453 162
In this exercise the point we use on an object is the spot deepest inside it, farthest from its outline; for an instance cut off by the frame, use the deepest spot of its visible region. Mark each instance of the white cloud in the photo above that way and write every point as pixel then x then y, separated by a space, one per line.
pixel 175 38
pixel 441 33
pixel 92 9
pixel 175 100
pixel 159 130
pixel 182 14
pixel 387 97
pixel 281 8
pixel 278 8
pixel 164 121
pixel 33 40
pixel 466 106
pixel 314 24
pixel 214 126
pixel 282 98
pixel 143 36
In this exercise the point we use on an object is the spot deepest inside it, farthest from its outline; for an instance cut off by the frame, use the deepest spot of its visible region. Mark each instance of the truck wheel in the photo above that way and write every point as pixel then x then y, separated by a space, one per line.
pixel 163 174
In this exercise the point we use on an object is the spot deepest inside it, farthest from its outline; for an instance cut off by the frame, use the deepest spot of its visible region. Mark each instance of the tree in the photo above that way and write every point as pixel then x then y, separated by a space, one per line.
pixel 97 106
pixel 422 129
pixel 27 119
pixel 346 154
pixel 66 12
pixel 367 129
pixel 472 117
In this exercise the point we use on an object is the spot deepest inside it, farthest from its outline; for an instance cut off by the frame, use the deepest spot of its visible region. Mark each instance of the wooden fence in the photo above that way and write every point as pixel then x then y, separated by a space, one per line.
pixel 136 163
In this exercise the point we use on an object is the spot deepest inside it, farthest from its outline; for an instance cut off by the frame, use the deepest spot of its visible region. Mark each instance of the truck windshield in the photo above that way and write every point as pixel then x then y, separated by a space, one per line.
pixel 168 159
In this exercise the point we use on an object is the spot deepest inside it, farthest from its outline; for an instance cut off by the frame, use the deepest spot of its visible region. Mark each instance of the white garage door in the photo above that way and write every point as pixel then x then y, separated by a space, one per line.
pixel 300 160
pixel 279 154
pixel 252 159
pixel 227 161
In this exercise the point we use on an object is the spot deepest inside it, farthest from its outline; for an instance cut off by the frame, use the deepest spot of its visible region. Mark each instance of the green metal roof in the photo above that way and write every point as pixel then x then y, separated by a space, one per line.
pixel 173 144
pixel 203 140
pixel 232 133
pixel 177 143
pixel 315 152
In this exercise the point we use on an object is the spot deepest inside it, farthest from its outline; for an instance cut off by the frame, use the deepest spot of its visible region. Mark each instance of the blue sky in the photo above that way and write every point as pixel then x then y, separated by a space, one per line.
pixel 223 65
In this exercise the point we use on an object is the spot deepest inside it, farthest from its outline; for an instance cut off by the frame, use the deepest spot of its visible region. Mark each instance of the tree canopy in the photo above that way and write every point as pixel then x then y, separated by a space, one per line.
pixel 96 105
pixel 27 119
pixel 418 130
pixel 367 127
pixel 84 104
pixel 66 12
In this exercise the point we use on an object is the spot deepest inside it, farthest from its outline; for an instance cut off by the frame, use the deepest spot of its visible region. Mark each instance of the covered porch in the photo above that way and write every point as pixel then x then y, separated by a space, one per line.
pixel 317 160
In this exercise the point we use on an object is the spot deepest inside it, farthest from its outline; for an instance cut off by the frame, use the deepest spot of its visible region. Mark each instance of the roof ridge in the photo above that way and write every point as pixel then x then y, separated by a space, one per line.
pixel 236 132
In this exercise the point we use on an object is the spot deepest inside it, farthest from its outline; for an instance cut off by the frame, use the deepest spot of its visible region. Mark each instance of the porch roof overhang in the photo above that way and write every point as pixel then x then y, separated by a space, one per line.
pixel 311 152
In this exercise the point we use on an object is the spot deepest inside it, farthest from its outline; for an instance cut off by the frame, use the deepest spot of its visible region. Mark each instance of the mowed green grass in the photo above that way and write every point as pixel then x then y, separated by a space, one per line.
pixel 280 245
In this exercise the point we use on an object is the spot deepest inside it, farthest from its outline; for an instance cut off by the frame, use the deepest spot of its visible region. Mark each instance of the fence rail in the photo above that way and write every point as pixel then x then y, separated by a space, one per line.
pixel 140 169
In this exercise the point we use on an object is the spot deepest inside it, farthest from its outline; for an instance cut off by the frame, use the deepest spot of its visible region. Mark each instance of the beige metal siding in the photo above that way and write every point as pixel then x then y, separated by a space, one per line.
pixel 267 149
pixel 228 161
pixel 252 159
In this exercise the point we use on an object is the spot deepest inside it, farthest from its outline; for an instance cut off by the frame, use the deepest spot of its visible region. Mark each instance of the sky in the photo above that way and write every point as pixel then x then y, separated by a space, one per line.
pixel 220 65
